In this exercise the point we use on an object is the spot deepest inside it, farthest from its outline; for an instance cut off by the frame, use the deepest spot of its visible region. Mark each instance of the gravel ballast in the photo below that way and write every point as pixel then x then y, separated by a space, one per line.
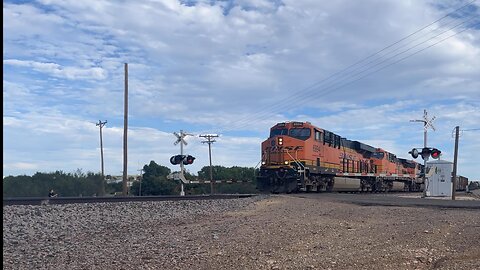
pixel 263 232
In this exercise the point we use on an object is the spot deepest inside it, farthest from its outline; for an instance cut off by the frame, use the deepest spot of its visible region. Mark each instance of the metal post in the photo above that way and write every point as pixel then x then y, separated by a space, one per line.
pixel 101 124
pixel 454 174
pixel 182 192
pixel 125 129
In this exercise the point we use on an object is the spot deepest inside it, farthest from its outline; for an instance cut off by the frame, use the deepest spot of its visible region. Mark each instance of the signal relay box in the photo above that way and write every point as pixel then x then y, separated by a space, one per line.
pixel 439 178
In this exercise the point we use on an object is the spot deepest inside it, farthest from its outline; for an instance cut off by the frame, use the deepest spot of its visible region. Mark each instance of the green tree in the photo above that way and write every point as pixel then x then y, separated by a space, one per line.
pixel 155 182
pixel 65 184
pixel 234 173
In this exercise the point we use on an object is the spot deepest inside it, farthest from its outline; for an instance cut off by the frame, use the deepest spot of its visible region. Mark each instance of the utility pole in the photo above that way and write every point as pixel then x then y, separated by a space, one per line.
pixel 454 176
pixel 101 124
pixel 210 140
pixel 426 124
pixel 125 129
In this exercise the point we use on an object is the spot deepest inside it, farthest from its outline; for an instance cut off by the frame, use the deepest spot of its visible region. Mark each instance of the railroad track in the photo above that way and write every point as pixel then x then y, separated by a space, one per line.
pixel 69 200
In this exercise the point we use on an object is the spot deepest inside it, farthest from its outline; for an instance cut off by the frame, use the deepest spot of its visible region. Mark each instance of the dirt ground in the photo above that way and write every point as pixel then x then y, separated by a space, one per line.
pixel 288 232
pixel 301 231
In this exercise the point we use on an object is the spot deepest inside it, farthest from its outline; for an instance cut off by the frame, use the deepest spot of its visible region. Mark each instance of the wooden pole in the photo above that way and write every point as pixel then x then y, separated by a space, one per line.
pixel 125 129
pixel 101 125
pixel 454 174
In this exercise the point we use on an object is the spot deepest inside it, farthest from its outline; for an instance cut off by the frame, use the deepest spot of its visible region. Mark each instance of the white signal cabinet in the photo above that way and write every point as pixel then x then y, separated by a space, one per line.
pixel 439 178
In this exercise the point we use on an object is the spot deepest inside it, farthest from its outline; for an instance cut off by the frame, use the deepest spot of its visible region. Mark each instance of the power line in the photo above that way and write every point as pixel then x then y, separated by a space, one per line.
pixel 325 91
pixel 303 94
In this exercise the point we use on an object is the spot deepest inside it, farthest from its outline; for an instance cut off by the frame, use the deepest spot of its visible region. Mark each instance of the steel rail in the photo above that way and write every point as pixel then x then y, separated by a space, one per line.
pixel 115 199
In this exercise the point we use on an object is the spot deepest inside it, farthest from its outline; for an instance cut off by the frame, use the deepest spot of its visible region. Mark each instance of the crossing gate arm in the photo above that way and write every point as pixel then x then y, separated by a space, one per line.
pixel 181 177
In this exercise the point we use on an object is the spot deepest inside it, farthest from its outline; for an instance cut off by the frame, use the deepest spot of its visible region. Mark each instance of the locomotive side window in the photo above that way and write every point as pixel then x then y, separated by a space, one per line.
pixel 318 135
pixel 276 132
pixel 328 138
pixel 300 133
pixel 337 141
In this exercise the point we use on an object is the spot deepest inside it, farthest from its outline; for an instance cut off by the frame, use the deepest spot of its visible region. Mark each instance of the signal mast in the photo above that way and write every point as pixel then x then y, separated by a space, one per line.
pixel 427 123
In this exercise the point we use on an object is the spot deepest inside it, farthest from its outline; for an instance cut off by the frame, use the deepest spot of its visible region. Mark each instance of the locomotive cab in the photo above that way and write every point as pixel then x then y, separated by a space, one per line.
pixel 385 162
pixel 284 156
pixel 285 146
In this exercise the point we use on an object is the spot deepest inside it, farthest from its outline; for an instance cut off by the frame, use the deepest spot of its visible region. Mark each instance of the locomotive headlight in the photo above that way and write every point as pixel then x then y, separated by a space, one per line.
pixel 263 162
pixel 286 162
pixel 280 141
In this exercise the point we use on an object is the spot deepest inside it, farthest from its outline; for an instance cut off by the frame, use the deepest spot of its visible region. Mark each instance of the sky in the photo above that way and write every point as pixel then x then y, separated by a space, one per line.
pixel 361 69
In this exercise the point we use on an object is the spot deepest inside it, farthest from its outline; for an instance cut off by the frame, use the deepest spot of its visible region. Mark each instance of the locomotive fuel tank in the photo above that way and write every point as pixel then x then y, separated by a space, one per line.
pixel 397 186
pixel 346 184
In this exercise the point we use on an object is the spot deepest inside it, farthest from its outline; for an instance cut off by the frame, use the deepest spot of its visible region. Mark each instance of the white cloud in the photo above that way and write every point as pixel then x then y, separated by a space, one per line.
pixel 224 67
pixel 56 70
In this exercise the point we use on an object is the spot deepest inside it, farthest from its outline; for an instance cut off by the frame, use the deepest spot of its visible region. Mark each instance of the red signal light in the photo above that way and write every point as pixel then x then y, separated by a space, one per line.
pixel 435 153
pixel 188 160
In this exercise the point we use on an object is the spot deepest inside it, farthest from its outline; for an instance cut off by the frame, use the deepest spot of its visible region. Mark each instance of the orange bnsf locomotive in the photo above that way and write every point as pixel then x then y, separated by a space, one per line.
pixel 301 157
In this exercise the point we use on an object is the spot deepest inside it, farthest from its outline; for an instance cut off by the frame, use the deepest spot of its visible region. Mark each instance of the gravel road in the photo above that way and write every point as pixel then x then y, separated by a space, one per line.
pixel 264 232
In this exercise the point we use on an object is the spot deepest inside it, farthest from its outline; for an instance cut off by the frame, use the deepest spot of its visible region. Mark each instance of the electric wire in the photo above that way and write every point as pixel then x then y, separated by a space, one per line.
pixel 295 101
pixel 268 111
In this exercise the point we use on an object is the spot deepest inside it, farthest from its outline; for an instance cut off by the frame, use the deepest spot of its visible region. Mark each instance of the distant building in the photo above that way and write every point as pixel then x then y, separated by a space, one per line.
pixel 113 179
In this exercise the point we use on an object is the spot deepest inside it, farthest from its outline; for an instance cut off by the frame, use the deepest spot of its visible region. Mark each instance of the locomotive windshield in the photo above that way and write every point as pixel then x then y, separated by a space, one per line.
pixel 300 133
pixel 276 132
pixel 378 155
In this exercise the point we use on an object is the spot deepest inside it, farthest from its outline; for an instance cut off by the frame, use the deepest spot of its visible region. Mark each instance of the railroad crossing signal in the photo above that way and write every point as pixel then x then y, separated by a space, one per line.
pixel 426 153
pixel 182 159
pixel 180 137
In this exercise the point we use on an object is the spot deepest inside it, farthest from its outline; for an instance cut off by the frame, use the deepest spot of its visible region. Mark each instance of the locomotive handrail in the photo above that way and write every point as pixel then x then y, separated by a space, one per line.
pixel 296 162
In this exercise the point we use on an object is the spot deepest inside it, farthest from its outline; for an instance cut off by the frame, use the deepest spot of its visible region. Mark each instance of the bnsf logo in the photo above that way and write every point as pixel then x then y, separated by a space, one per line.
pixel 283 148
pixel 347 156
